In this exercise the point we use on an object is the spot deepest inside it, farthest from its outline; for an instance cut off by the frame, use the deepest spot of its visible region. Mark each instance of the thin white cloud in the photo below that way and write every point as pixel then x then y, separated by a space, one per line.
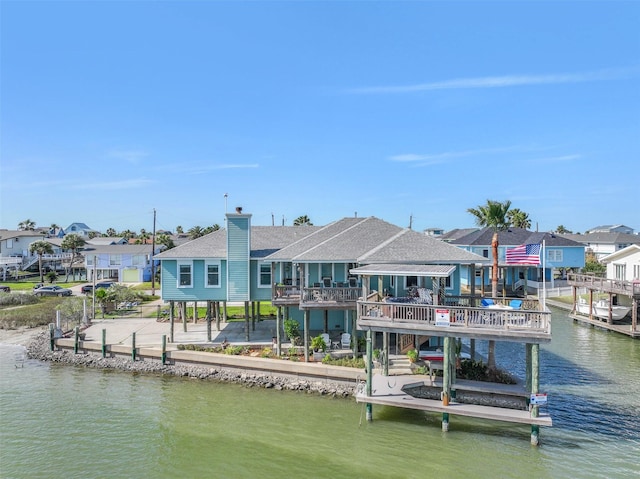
pixel 436 158
pixel 132 156
pixel 196 169
pixel 115 185
pixel 500 82
pixel 555 159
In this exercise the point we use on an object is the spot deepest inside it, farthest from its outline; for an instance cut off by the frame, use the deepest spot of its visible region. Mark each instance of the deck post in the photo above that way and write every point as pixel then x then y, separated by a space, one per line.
pixel 306 335
pixel 246 321
pixel 385 355
pixel 278 338
pixel 216 312
pixel 164 349
pixel 171 319
pixel 104 343
pixel 208 318
pixel 224 312
pixel 52 341
pixel 133 346
pixel 527 379
pixel 182 306
pixel 369 369
pixel 195 312
pixel 446 380
pixel 535 384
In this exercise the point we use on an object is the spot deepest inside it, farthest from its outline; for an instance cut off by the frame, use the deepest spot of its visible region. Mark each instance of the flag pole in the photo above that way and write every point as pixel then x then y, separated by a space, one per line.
pixel 544 287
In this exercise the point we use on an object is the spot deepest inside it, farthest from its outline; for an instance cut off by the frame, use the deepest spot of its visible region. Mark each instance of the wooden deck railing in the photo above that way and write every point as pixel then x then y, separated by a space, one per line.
pixel 460 317
pixel 336 295
pixel 628 288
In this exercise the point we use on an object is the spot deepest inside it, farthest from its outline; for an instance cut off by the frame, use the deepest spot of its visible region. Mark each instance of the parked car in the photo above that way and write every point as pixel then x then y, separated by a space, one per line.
pixel 5 289
pixel 88 288
pixel 54 290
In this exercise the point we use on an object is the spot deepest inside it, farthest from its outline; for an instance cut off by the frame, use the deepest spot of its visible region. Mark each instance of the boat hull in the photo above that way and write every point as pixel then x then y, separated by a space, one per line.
pixel 601 310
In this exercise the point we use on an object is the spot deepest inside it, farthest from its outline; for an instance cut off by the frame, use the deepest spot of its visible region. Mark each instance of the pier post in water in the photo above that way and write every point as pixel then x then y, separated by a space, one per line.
pixel 535 381
pixel 133 346
pixel 104 343
pixel 164 348
pixel 52 342
pixel 369 368
pixel 76 338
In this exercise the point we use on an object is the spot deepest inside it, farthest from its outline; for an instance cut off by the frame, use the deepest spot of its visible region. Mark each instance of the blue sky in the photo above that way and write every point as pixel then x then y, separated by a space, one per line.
pixel 400 110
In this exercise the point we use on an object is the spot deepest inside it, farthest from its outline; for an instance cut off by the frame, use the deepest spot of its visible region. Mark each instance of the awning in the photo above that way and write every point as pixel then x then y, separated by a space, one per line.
pixel 428 270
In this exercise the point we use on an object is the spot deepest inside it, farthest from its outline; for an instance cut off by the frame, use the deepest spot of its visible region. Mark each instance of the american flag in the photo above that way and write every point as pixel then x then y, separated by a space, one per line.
pixel 524 254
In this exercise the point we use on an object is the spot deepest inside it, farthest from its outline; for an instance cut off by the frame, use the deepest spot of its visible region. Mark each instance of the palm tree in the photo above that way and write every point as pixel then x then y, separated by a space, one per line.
pixel 27 225
pixel 53 229
pixel 519 218
pixel 165 240
pixel 211 229
pixel 179 230
pixel 495 216
pixel 302 221
pixel 562 230
pixel 74 243
pixel 111 232
pixel 195 232
pixel 40 248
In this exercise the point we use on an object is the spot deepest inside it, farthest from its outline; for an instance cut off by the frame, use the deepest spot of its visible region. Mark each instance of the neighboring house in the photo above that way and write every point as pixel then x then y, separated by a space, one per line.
pixel 14 250
pixel 455 234
pixel 604 243
pixel 122 263
pixel 106 240
pixel 611 229
pixel 307 269
pixel 624 264
pixel 559 253
pixel 435 232
pixel 81 229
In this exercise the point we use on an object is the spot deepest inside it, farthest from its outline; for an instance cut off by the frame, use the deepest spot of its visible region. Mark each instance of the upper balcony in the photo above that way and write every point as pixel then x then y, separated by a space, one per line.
pixel 614 286
pixel 316 297
pixel 499 321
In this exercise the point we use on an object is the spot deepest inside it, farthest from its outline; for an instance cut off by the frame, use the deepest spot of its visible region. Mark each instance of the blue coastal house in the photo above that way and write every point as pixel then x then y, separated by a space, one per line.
pixel 558 255
pixel 311 273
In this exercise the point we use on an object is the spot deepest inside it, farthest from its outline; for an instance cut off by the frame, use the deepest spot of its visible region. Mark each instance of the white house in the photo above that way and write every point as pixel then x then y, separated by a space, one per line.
pixel 624 264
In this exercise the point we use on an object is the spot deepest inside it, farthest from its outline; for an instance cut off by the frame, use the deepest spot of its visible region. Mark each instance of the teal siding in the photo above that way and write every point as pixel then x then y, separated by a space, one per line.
pixel 238 249
pixel 197 291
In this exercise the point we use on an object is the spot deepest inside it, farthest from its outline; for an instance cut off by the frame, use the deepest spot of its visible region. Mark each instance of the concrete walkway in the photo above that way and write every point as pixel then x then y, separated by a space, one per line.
pixel 149 332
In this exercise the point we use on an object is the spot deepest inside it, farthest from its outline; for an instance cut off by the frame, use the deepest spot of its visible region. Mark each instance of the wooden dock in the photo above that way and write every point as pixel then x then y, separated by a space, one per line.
pixel 622 327
pixel 387 391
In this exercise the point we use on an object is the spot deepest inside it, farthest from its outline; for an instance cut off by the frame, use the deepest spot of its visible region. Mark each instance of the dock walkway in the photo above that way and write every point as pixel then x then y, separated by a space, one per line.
pixel 387 391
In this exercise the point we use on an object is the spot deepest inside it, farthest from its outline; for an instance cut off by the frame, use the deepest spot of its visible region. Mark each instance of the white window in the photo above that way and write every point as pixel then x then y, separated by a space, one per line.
pixel 212 274
pixel 636 271
pixel 185 275
pixel 115 259
pixel 139 259
pixel 620 271
pixel 554 255
pixel 265 275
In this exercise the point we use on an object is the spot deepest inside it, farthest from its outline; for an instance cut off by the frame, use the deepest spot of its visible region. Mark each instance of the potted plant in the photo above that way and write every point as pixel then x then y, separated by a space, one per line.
pixel 412 354
pixel 292 330
pixel 318 346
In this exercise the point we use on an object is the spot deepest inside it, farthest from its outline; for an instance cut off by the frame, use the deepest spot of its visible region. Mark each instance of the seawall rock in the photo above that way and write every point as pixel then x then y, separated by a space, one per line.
pixel 39 348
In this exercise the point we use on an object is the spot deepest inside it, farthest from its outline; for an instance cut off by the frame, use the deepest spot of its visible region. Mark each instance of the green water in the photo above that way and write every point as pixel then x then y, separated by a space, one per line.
pixel 61 421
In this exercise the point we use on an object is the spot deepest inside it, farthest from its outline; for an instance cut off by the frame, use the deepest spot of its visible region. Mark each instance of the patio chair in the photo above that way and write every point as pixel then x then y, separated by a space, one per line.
pixel 515 303
pixel 326 282
pixel 345 341
pixel 327 340
pixel 487 302
pixel 353 282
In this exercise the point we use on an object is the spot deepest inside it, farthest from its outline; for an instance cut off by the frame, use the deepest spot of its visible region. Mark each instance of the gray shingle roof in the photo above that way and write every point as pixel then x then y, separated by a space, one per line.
pixel 264 240
pixel 513 237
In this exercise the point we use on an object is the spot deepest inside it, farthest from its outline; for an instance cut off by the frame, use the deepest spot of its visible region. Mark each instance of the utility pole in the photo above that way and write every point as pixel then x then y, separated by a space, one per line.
pixel 153 251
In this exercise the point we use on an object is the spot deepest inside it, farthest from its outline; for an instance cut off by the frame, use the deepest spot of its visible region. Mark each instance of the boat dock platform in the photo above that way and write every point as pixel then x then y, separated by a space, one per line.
pixel 623 326
pixel 387 391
